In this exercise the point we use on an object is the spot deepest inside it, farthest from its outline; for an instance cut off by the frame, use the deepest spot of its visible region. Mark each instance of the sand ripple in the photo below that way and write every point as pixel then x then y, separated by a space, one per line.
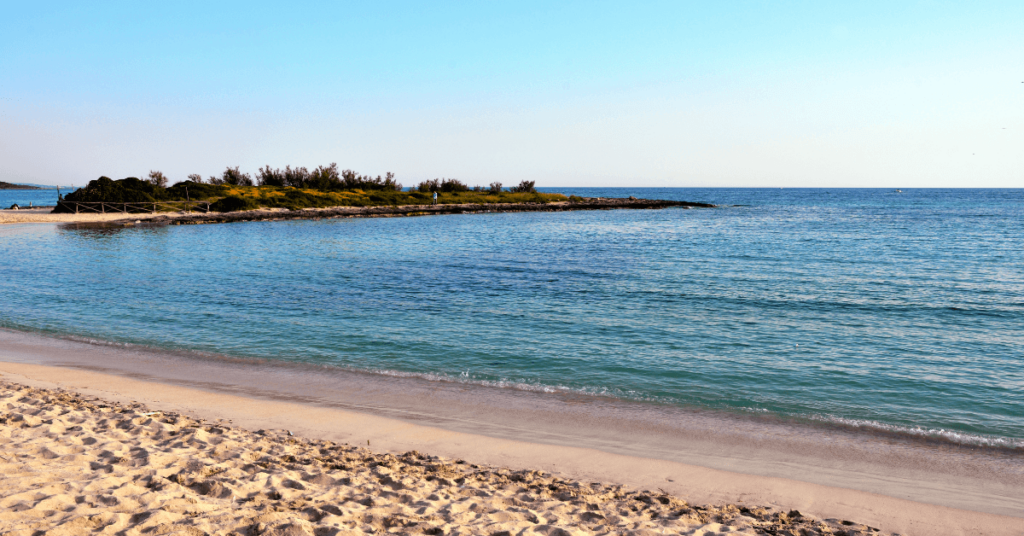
pixel 71 465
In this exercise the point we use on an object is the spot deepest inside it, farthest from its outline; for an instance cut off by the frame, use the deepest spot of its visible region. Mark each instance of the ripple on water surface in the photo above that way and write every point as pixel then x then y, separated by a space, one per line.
pixel 862 308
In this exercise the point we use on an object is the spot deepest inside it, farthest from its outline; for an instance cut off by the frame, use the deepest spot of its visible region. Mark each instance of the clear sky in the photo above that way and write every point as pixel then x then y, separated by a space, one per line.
pixel 886 94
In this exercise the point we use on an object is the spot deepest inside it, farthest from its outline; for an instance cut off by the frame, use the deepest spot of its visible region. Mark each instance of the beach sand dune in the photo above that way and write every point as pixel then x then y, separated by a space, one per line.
pixel 76 465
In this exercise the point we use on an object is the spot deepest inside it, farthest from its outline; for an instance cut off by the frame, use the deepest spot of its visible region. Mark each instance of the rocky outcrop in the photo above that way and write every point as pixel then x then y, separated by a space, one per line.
pixel 425 210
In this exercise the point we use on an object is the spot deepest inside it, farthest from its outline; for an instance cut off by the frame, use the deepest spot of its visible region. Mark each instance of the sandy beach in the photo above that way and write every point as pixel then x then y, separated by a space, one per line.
pixel 44 215
pixel 512 269
pixel 85 452
pixel 77 465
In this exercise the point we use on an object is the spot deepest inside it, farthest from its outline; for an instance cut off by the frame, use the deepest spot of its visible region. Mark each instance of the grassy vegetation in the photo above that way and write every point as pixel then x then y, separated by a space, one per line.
pixel 322 188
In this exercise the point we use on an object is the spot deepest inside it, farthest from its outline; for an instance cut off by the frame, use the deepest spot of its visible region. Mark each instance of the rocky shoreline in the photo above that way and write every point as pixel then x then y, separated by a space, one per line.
pixel 416 210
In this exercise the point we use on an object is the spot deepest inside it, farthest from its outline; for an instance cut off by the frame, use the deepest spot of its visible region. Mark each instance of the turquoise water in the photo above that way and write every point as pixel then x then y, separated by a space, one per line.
pixel 901 312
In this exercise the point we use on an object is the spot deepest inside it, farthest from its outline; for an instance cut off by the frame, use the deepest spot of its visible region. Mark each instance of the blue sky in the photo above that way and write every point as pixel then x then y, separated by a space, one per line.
pixel 884 94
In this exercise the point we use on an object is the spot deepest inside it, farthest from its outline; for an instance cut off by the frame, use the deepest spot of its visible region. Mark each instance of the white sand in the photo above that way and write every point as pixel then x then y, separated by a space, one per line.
pixel 73 466
pixel 487 502
pixel 44 215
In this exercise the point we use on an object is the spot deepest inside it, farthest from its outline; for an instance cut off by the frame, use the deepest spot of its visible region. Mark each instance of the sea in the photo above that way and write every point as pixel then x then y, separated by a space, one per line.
pixel 876 310
pixel 44 197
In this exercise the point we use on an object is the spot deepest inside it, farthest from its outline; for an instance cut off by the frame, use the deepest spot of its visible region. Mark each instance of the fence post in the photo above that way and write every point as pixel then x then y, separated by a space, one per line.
pixel 103 208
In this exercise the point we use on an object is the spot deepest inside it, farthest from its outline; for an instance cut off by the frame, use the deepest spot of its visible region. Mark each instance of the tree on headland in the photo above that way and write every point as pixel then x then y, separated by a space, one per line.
pixel 196 178
pixel 232 177
pixel 442 185
pixel 495 188
pixel 157 178
pixel 270 177
pixel 350 180
pixel 325 178
pixel 525 187
pixel 428 186
pixel 296 178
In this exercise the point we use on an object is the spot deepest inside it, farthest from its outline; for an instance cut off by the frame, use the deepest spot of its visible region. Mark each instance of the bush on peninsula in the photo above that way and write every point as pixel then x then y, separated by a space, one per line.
pixel 295 188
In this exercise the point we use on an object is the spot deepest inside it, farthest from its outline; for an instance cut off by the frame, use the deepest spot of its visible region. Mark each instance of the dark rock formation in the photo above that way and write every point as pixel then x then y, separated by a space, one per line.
pixel 424 210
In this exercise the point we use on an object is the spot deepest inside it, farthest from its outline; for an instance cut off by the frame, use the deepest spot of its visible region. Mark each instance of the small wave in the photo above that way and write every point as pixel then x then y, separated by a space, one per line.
pixel 946 436
pixel 952 437
pixel 519 385
pixel 937 434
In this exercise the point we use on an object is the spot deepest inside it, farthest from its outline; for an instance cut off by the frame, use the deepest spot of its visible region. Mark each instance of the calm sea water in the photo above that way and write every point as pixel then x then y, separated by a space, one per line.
pixel 872 308
pixel 23 198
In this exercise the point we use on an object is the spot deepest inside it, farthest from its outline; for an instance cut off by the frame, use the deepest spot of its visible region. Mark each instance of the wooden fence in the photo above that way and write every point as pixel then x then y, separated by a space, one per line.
pixel 102 207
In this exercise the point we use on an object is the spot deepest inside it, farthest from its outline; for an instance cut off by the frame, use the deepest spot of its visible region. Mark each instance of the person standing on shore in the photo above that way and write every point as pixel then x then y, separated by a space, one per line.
pixel 435 198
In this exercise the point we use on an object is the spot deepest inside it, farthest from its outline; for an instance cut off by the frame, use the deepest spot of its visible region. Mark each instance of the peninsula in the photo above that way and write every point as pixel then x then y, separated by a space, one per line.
pixel 322 193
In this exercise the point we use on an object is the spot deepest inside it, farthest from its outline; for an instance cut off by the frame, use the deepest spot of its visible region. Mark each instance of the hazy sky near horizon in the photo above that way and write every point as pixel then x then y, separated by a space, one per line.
pixel 886 94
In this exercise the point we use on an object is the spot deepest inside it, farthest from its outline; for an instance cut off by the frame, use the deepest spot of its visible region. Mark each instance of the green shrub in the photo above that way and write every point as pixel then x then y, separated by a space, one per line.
pixel 233 203
pixel 525 187
pixel 387 197
pixel 443 185
pixel 157 178
pixel 233 177
pixel 429 186
pixel 372 192
pixel 325 178
pixel 271 177
pixel 129 190
pixel 195 190
pixel 453 185
pixel 300 199
pixel 291 200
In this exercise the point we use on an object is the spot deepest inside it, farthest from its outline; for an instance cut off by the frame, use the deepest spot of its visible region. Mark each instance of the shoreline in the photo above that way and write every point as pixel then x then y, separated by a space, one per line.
pixel 581 460
pixel 567 466
pixel 37 215
pixel 122 219
pixel 166 471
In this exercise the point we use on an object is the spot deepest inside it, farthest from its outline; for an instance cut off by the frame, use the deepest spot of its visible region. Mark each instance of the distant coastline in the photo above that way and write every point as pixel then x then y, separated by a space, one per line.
pixel 10 186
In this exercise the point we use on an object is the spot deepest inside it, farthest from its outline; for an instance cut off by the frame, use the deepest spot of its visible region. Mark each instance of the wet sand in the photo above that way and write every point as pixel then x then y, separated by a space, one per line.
pixel 907 506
